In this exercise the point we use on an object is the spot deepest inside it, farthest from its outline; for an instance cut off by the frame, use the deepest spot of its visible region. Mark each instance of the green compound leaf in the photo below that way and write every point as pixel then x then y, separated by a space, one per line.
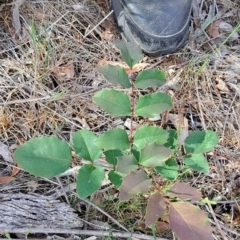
pixel 154 155
pixel 197 162
pixel 113 139
pixel 116 178
pixel 134 183
pixel 83 144
pixel 150 78
pixel 201 141
pixel 126 164
pixel 114 102
pixel 89 179
pixel 111 156
pixel 44 156
pixel 115 75
pixel 169 169
pixel 130 52
pixel 151 105
pixel 149 134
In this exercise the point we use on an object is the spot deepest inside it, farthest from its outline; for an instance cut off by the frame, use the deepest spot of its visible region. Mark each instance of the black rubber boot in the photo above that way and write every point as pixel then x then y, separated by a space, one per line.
pixel 157 26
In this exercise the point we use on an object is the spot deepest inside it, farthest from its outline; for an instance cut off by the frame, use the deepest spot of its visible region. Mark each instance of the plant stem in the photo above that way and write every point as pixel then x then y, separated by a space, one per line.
pixel 133 109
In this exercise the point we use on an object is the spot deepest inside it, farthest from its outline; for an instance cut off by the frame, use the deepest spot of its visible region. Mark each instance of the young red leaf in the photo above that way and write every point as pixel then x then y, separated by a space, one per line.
pixel 184 191
pixel 155 208
pixel 189 222
pixel 136 182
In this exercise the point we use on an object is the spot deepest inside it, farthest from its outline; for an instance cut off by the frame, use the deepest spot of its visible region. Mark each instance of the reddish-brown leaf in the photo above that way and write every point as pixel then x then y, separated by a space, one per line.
pixel 184 191
pixel 136 182
pixel 189 222
pixel 213 29
pixel 63 73
pixel 137 67
pixel 156 207
pixel 107 35
pixel 15 171
pixel 5 179
pixel 102 3
pixel 162 226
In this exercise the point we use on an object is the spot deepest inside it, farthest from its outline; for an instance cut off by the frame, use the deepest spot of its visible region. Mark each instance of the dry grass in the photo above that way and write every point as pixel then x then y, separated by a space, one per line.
pixel 48 75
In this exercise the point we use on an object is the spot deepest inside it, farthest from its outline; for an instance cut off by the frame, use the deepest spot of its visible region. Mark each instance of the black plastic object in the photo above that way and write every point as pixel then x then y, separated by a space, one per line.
pixel 157 26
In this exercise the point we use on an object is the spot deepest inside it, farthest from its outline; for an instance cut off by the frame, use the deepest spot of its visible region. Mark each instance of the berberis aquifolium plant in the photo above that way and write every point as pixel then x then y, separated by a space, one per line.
pixel 135 156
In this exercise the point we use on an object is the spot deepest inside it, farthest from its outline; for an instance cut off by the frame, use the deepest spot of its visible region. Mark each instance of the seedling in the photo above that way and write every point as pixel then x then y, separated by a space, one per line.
pixel 133 156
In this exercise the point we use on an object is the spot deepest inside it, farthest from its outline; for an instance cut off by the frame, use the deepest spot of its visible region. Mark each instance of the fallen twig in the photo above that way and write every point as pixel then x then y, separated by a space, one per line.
pixel 216 222
pixel 79 232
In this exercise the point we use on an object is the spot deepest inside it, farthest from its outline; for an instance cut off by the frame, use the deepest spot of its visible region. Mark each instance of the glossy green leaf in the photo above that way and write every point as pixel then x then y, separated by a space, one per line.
pixel 44 156
pixel 136 153
pixel 126 164
pixel 83 144
pixel 113 139
pixel 111 156
pixel 150 78
pixel 149 134
pixel 114 102
pixel 197 162
pixel 172 139
pixel 89 179
pixel 130 52
pixel 116 178
pixel 154 155
pixel 115 75
pixel 152 104
pixel 169 169
pixel 136 182
pixel 201 141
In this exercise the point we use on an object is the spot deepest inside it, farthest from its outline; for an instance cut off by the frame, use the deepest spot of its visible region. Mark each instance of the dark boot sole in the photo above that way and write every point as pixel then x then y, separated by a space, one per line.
pixel 150 43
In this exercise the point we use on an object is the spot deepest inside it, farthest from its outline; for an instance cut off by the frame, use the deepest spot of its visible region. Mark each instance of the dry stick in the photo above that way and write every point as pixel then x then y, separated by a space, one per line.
pixel 98 24
pixel 87 212
pixel 219 202
pixel 64 193
pixel 103 212
pixel 216 222
pixel 79 232
pixel 59 115
pixel 227 117
pixel 47 98
pixel 196 12
pixel 227 229
pixel 228 201
pixel 200 108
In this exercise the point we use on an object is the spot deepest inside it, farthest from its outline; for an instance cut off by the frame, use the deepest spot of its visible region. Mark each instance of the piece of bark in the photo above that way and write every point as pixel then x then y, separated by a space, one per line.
pixel 35 210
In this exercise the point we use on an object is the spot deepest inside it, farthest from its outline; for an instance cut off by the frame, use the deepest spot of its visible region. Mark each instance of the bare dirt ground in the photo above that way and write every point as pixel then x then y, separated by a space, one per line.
pixel 49 51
